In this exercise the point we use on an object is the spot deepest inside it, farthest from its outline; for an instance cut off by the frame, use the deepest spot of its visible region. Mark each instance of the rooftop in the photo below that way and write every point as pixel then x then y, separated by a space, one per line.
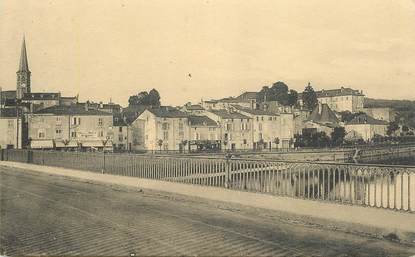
pixel 194 107
pixel 41 96
pixel 167 112
pixel 225 114
pixel 323 114
pixel 248 95
pixel 366 119
pixel 254 111
pixel 71 110
pixel 201 121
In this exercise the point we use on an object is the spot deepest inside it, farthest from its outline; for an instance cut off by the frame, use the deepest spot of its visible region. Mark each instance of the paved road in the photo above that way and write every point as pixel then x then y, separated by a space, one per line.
pixel 52 215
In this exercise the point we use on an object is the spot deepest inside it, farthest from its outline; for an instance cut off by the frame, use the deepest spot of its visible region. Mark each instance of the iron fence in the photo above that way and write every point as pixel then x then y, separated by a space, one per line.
pixel 381 186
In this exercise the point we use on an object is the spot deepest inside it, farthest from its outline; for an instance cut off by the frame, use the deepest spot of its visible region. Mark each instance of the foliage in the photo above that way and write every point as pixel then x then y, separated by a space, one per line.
pixel 337 136
pixel 309 97
pixel 151 98
pixel 278 92
pixel 312 139
pixel 347 116
pixel 392 127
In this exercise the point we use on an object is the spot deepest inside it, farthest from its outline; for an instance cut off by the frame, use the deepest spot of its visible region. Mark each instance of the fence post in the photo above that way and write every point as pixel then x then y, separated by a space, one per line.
pixel 227 170
pixel 103 164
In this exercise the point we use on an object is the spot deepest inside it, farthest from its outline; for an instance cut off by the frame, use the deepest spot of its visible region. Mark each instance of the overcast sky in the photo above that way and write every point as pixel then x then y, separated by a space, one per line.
pixel 106 49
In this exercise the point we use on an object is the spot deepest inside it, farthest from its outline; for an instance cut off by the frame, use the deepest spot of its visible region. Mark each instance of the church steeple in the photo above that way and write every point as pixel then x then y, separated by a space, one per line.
pixel 23 74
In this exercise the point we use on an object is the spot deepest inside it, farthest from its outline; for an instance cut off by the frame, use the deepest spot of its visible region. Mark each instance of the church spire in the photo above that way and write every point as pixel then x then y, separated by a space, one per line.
pixel 23 74
pixel 24 66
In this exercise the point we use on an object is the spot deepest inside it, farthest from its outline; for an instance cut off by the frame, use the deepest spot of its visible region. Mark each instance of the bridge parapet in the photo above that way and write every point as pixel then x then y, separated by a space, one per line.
pixel 379 186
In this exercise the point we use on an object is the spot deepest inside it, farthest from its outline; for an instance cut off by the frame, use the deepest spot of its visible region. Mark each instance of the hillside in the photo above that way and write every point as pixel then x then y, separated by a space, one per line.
pixel 405 108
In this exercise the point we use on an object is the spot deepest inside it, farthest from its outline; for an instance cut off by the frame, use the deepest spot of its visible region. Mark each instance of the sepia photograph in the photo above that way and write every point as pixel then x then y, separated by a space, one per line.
pixel 207 128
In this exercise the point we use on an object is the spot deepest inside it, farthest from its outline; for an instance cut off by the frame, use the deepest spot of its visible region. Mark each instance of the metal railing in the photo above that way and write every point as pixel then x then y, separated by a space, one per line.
pixel 381 186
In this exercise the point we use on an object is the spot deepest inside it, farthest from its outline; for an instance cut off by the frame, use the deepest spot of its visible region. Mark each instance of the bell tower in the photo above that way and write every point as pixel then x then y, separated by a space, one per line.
pixel 23 74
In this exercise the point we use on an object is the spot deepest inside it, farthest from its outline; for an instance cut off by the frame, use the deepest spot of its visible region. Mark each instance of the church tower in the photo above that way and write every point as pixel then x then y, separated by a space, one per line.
pixel 23 74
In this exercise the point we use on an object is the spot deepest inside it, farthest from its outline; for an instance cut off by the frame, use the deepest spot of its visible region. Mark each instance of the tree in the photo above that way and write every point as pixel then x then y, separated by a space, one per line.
pixel 392 127
pixel 276 142
pixel 264 95
pixel 160 143
pixel 147 99
pixel 309 97
pixel 154 98
pixel 337 136
pixel 280 91
pixel 292 97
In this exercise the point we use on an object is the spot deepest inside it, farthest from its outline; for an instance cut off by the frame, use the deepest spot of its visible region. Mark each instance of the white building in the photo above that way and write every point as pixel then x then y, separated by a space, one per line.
pixel 10 129
pixel 366 127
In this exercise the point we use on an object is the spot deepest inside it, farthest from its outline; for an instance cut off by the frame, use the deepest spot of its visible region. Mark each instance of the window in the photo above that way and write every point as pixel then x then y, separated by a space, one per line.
pixel 101 133
pixel 58 119
pixel 270 118
pixel 166 135
pixel 180 125
pixel 41 133
pixel 76 121
pixel 228 126
pixel 120 138
pixel 100 122
pixel 58 131
pixel 165 126
pixel 120 129
pixel 73 134
pixel 10 123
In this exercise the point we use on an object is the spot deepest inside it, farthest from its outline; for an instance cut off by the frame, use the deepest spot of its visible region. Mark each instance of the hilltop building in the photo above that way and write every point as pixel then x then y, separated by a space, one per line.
pixel 339 100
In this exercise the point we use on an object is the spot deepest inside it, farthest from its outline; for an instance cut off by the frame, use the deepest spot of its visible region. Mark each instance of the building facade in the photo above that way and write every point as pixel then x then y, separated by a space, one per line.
pixel 10 129
pixel 70 127
pixel 366 127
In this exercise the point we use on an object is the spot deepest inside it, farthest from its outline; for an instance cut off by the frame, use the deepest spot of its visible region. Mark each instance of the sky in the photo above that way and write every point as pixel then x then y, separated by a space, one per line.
pixel 192 49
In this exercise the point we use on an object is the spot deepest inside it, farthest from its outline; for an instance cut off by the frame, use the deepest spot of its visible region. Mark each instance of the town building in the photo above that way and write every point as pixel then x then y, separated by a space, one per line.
pixel 196 109
pixel 339 100
pixel 323 119
pixel 204 134
pixel 235 129
pixel 163 128
pixel 266 128
pixel 70 127
pixel 120 133
pixel 381 113
pixel 225 103
pixel 10 129
pixel 366 127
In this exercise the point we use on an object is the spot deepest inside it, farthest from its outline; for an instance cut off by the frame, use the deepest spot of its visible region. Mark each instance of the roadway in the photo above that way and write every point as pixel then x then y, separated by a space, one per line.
pixel 52 215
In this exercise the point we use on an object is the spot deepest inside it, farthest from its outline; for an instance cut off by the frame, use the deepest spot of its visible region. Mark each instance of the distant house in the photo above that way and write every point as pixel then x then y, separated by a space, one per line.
pixel 266 128
pixel 381 113
pixel 366 127
pixel 235 128
pixel 227 102
pixel 323 119
pixel 120 132
pixel 38 101
pixel 339 100
pixel 163 128
pixel 204 133
pixel 10 128
pixel 196 109
pixel 70 127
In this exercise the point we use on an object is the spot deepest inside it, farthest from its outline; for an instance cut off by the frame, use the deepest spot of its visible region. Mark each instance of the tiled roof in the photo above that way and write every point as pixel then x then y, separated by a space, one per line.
pixel 41 96
pixel 224 114
pixel 323 114
pixel 343 91
pixel 194 107
pixel 248 95
pixel 201 121
pixel 366 119
pixel 71 110
pixel 254 111
pixel 167 112
pixel 131 113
